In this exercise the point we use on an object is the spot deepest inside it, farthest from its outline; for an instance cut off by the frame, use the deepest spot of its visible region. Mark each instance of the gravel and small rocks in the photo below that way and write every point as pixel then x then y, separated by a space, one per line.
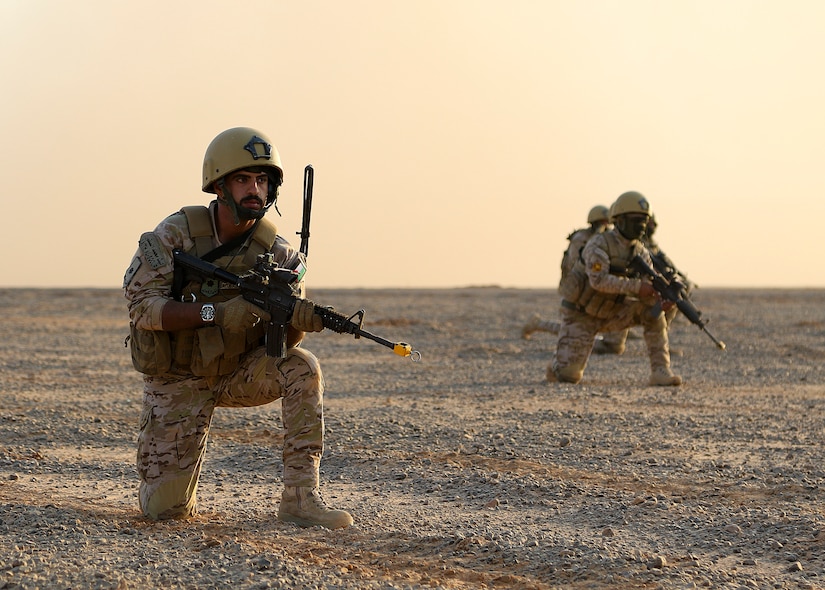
pixel 466 470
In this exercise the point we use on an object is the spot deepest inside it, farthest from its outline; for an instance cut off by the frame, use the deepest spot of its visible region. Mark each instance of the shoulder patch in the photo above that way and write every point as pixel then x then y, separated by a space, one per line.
pixel 131 271
pixel 153 250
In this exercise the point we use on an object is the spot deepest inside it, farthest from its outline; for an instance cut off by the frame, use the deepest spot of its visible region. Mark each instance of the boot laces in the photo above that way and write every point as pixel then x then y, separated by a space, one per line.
pixel 316 498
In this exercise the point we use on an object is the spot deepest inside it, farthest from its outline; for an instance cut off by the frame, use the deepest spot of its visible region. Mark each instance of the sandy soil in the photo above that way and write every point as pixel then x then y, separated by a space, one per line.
pixel 465 470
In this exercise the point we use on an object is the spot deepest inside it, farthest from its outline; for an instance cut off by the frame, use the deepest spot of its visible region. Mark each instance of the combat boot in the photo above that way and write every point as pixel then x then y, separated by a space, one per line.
pixel 664 376
pixel 531 326
pixel 305 507
pixel 604 347
pixel 536 324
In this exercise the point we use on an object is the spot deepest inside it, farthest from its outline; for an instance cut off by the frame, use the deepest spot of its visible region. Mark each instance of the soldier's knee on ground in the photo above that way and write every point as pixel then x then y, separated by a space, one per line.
pixel 570 374
pixel 170 500
pixel 564 374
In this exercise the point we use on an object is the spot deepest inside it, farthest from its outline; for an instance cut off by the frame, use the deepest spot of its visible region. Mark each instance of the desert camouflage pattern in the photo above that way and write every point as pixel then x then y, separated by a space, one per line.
pixel 177 412
pixel 578 329
pixel 178 406
pixel 577 241
pixel 147 288
pixel 578 332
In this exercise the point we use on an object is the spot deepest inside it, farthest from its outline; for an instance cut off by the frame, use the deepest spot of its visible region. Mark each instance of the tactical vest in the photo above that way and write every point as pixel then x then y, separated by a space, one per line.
pixel 580 295
pixel 208 351
pixel 578 240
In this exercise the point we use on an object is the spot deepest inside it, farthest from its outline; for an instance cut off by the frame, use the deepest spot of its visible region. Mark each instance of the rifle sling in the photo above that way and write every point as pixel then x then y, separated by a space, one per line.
pixel 179 274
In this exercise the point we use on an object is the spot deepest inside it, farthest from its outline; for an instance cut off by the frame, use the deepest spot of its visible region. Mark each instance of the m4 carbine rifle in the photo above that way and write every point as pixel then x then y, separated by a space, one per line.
pixel 273 289
pixel 673 290
pixel 664 266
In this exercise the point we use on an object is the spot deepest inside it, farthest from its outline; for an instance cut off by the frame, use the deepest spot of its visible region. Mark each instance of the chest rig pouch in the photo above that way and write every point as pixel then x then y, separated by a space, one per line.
pixel 210 351
pixel 589 300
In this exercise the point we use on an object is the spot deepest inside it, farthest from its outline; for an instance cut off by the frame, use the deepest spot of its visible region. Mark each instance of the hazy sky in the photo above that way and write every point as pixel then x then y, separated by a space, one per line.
pixel 455 142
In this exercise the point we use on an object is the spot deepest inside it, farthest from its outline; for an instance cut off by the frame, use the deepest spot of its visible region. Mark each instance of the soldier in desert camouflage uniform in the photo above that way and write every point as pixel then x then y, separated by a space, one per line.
pixel 199 343
pixel 601 295
pixel 599 220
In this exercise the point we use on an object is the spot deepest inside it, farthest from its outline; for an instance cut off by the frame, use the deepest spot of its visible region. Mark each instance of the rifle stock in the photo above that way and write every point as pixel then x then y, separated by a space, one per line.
pixel 271 289
pixel 673 290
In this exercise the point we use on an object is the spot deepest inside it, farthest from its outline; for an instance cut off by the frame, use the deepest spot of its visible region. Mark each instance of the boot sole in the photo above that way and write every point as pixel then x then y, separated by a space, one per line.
pixel 304 523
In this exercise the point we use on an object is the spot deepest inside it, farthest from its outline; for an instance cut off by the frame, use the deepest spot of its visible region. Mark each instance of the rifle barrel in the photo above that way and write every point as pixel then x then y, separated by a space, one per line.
pixel 399 348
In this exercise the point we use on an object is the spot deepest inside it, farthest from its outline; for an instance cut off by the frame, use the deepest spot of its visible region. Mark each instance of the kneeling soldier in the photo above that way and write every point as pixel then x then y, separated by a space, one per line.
pixel 200 346
pixel 601 295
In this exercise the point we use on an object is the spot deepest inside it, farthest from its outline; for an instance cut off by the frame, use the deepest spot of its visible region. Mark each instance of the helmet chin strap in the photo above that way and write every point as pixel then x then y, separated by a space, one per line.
pixel 239 212
pixel 272 197
pixel 220 184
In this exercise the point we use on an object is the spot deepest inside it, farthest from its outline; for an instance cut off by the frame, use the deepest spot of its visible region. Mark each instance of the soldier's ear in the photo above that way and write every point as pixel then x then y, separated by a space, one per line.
pixel 219 187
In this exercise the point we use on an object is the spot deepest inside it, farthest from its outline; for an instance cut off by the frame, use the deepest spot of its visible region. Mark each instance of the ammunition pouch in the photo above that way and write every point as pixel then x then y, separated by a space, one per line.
pixel 579 293
pixel 593 303
pixel 151 350
pixel 603 306
pixel 211 351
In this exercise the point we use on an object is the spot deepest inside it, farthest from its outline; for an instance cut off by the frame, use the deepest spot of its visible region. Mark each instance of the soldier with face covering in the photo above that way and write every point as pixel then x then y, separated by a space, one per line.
pixel 601 295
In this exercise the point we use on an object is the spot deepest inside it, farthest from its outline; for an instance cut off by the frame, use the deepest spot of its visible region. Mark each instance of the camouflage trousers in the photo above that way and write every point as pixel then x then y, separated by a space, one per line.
pixel 177 412
pixel 536 324
pixel 578 330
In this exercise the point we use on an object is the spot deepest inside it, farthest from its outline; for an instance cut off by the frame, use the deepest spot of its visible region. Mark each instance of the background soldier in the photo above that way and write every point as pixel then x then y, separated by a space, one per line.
pixel 598 295
pixel 599 219
pixel 199 343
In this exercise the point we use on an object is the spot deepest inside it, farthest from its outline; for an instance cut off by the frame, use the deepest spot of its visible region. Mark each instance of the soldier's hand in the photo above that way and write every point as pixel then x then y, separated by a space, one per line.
pixel 304 317
pixel 238 314
pixel 646 291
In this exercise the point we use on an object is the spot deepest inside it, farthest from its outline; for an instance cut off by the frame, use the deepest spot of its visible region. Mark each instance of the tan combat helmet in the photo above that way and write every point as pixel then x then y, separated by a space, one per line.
pixel 630 202
pixel 242 148
pixel 598 213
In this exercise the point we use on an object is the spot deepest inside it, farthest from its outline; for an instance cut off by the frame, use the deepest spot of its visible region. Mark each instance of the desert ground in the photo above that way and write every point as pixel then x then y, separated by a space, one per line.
pixel 464 470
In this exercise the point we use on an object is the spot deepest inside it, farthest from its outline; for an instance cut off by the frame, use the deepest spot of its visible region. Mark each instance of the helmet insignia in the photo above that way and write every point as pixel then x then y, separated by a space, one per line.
pixel 252 147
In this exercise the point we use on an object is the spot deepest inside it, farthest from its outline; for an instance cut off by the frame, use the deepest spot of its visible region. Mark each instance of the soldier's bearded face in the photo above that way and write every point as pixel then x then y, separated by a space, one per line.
pixel 249 191
pixel 632 225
